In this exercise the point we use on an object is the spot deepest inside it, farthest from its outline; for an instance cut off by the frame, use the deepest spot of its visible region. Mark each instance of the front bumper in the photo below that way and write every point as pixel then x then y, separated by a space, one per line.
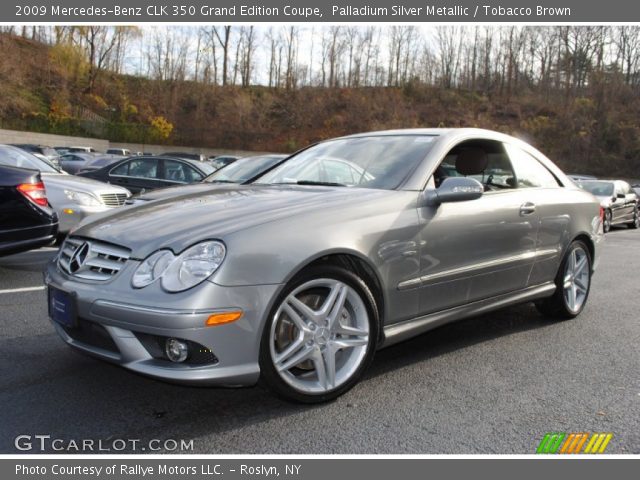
pixel 127 325
pixel 71 214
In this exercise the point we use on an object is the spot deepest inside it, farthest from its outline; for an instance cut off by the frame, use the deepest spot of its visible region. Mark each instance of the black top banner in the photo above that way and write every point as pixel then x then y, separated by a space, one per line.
pixel 335 11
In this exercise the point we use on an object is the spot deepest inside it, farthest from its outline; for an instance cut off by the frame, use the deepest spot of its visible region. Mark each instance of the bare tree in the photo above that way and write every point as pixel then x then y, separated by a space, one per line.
pixel 223 34
pixel 100 41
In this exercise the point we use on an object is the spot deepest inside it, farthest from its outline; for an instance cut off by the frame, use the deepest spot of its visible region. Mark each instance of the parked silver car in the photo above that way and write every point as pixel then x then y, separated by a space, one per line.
pixel 77 162
pixel 73 198
pixel 618 200
pixel 348 246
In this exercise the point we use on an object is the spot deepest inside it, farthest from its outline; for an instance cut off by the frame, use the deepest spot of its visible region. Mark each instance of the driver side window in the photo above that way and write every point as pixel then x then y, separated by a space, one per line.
pixel 484 160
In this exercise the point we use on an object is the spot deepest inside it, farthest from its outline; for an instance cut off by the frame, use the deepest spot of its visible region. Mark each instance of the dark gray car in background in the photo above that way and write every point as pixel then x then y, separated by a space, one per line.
pixel 244 171
pixel 142 173
pixel 348 246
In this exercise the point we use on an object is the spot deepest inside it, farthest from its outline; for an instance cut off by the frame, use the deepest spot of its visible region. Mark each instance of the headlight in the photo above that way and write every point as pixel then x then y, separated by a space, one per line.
pixel 187 270
pixel 82 198
pixel 152 268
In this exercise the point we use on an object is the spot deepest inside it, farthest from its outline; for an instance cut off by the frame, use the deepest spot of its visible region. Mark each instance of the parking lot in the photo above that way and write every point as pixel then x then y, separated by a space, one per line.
pixel 492 384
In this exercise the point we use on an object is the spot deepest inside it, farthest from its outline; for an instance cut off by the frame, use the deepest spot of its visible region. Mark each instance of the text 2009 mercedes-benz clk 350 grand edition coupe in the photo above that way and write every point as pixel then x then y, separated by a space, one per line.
pixel 351 245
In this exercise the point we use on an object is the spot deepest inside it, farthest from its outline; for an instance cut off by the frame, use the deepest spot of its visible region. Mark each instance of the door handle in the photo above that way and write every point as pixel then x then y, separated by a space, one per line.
pixel 527 208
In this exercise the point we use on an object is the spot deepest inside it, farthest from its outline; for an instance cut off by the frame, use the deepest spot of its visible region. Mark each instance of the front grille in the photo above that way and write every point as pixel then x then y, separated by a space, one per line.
pixel 114 199
pixel 91 259
pixel 92 334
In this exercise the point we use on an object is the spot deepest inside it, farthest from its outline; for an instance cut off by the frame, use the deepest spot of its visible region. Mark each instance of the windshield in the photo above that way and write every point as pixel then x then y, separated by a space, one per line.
pixel 18 158
pixel 49 152
pixel 205 168
pixel 244 169
pixel 220 162
pixel 599 189
pixel 382 162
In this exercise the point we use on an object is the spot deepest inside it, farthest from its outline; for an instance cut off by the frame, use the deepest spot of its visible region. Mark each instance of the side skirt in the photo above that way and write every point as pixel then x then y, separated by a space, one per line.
pixel 399 332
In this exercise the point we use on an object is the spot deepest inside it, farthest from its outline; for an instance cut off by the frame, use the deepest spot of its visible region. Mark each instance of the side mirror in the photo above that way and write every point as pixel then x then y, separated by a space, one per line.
pixel 453 189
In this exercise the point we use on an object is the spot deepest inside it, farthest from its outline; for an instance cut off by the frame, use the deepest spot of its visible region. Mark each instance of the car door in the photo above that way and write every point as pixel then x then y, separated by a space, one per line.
pixel 630 201
pixel 619 205
pixel 543 193
pixel 480 248
pixel 137 174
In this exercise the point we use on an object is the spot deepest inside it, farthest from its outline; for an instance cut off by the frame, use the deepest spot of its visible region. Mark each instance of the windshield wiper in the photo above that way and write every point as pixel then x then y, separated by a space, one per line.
pixel 221 181
pixel 323 184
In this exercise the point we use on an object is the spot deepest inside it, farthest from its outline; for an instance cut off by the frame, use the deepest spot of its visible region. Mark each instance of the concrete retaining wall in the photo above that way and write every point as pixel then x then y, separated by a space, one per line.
pixel 14 136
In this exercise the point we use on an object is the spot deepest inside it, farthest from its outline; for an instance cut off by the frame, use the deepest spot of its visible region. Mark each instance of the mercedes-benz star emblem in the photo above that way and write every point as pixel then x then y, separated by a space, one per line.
pixel 78 257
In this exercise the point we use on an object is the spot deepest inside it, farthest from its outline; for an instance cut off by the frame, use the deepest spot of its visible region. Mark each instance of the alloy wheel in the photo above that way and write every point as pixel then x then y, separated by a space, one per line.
pixel 319 336
pixel 577 276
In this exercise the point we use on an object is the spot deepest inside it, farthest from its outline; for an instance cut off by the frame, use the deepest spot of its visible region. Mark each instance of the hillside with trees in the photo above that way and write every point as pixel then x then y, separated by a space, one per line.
pixel 573 91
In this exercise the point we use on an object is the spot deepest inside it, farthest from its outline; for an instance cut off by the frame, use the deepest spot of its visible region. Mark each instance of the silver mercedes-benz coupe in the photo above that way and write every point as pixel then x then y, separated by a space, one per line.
pixel 351 245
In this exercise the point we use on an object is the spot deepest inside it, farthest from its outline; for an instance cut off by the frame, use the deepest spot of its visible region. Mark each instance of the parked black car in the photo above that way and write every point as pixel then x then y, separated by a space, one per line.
pixel 148 173
pixel 244 171
pixel 189 156
pixel 26 219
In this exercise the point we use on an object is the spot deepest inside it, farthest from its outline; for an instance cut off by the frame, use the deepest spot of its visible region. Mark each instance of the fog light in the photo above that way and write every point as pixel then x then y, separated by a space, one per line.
pixel 177 351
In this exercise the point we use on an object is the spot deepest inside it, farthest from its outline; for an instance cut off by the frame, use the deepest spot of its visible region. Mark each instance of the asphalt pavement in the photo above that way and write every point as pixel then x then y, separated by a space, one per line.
pixel 492 384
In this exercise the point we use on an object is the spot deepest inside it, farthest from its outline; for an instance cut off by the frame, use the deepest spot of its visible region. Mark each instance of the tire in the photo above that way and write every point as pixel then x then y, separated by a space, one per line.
pixel 571 281
pixel 635 224
pixel 301 342
pixel 606 226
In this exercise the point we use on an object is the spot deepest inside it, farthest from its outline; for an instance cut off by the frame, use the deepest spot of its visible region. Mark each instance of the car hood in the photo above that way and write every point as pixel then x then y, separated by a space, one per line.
pixel 177 191
pixel 179 222
pixel 82 184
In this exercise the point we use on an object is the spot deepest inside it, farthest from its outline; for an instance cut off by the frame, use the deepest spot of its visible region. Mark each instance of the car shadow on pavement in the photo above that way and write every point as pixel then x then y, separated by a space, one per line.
pixel 86 398
pixel 457 336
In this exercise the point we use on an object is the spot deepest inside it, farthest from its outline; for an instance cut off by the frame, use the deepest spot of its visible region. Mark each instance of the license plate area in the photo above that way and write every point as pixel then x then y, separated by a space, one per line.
pixel 62 307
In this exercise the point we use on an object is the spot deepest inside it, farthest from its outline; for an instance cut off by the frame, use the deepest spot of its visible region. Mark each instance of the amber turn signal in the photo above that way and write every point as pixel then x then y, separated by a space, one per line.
pixel 222 318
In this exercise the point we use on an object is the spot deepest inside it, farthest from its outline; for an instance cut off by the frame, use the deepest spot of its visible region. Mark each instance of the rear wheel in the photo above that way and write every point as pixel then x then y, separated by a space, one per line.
pixel 607 221
pixel 573 283
pixel 320 336
pixel 636 220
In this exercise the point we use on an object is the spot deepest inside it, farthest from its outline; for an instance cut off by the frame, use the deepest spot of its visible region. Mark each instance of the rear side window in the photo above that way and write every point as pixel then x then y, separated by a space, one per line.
pixel 530 173
pixel 121 169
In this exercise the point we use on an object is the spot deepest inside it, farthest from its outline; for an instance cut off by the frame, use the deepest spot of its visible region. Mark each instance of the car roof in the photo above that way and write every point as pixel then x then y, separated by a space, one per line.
pixel 440 132
pixel 29 145
pixel 447 135
pixel 195 163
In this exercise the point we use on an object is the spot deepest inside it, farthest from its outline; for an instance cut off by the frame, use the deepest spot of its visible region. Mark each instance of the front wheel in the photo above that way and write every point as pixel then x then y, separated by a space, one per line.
pixel 573 283
pixel 320 336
